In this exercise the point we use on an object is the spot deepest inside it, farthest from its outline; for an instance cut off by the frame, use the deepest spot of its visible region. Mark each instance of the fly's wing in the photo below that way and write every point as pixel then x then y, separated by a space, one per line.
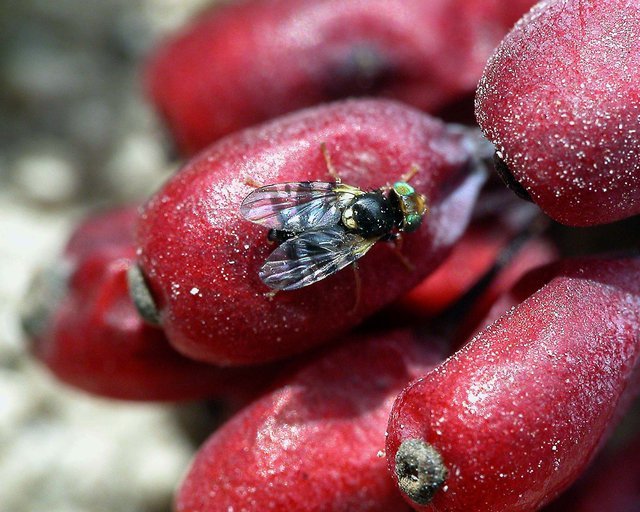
pixel 312 256
pixel 294 207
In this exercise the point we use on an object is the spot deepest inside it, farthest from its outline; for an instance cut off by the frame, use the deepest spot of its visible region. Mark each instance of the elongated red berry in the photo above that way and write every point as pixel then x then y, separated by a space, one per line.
pixel 612 480
pixel 495 299
pixel 514 417
pixel 614 484
pixel 315 442
pixel 86 330
pixel 247 62
pixel 560 99
pixel 201 258
pixel 472 257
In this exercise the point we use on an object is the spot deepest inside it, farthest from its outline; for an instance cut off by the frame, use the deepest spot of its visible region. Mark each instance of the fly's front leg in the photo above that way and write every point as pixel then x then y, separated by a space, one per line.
pixel 398 242
pixel 408 176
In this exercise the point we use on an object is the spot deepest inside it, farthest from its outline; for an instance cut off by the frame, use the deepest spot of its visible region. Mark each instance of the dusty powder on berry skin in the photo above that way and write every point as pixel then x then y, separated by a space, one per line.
pixel 520 410
pixel 560 99
pixel 191 233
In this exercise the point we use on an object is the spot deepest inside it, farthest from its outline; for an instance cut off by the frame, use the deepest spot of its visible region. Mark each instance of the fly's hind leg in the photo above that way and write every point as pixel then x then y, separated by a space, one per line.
pixel 358 283
pixel 252 183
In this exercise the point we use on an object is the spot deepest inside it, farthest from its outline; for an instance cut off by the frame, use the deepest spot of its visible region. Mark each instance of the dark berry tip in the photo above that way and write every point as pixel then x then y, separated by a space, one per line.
pixel 141 296
pixel 363 71
pixel 420 470
pixel 46 290
pixel 509 180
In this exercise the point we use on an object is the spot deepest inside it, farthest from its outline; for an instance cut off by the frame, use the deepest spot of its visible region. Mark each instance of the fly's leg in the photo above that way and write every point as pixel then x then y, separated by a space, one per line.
pixel 252 183
pixel 358 282
pixel 398 241
pixel 327 158
pixel 408 176
pixel 270 294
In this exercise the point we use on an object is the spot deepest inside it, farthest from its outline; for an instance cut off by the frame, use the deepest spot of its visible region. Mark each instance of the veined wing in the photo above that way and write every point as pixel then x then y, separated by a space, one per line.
pixel 312 256
pixel 294 207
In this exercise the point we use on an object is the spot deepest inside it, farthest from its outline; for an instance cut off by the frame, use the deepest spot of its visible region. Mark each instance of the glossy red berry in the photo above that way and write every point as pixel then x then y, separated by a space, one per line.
pixel 472 256
pixel 514 417
pixel 89 334
pixel 314 443
pixel 560 99
pixel 246 62
pixel 614 484
pixel 494 299
pixel 201 259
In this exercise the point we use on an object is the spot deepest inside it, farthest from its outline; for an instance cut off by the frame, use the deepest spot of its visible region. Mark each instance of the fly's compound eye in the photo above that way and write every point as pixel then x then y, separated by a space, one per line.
pixel 412 204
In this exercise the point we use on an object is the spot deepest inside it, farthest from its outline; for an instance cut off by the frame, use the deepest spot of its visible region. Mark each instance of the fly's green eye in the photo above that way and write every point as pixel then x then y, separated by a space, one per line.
pixel 403 189
pixel 412 222
pixel 412 205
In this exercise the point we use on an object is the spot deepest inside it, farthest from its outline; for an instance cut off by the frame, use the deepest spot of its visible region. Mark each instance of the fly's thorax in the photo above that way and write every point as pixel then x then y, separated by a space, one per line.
pixel 371 214
pixel 411 204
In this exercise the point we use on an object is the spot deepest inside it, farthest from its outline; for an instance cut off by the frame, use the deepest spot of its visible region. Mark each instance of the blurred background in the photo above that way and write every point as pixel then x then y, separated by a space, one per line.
pixel 76 135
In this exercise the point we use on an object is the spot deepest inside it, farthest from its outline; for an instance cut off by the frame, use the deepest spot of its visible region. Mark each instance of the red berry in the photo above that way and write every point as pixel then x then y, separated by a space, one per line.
pixel 91 337
pixel 613 485
pixel 560 99
pixel 250 61
pixel 104 231
pixel 472 256
pixel 492 302
pixel 201 258
pixel 314 443
pixel 515 416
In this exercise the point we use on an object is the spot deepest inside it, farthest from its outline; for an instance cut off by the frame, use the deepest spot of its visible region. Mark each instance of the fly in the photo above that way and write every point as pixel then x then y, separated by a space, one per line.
pixel 322 227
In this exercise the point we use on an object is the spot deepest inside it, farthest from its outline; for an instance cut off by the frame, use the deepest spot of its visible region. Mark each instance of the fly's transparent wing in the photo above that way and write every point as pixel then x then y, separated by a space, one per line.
pixel 294 207
pixel 312 256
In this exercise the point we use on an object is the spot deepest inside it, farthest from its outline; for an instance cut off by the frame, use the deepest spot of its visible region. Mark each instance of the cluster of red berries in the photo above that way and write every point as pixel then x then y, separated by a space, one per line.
pixel 501 423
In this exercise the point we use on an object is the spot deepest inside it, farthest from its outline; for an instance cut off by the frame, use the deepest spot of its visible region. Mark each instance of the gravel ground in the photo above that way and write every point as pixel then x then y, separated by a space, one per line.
pixel 75 134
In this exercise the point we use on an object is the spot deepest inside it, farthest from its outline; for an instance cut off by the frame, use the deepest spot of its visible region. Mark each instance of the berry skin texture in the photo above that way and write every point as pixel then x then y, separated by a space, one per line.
pixel 201 258
pixel 560 99
pixel 458 273
pixel 518 413
pixel 314 442
pixel 495 300
pixel 244 63
pixel 612 482
pixel 90 336
pixel 491 247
